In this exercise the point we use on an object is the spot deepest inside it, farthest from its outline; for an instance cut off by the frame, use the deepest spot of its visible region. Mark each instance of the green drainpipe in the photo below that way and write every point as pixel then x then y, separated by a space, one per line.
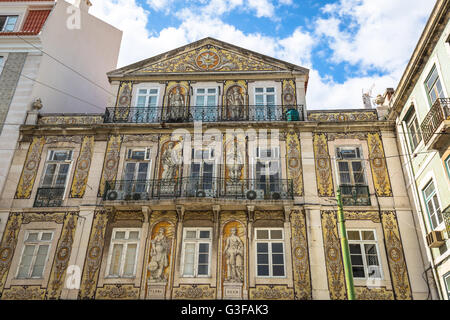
pixel 345 250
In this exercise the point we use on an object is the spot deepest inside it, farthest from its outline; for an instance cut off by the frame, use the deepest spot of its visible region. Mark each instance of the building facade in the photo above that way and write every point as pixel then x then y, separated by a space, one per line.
pixel 208 179
pixel 421 109
pixel 53 58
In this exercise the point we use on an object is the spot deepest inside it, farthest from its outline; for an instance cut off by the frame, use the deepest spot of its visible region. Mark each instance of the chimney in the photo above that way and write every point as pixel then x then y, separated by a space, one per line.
pixel 84 5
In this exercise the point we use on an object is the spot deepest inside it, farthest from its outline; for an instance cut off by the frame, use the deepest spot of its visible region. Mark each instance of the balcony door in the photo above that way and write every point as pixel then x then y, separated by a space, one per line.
pixel 265 109
pixel 267 170
pixel 206 105
pixel 202 172
pixel 146 110
pixel 137 170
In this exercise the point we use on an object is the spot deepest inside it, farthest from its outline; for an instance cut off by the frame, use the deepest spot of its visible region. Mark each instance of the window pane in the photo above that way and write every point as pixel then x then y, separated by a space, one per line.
pixel 278 271
pixel 262 259
pixel 270 90
pixel 358 272
pixel 262 234
pixel 355 248
pixel 263 270
pixel 203 270
pixel 33 236
pixel 368 235
pixel 49 173
pixel 203 247
pixel 191 234
pixel 356 260
pixel 153 91
pixel 46 236
pixel 213 91
pixel 353 235
pixel 130 257
pixel 134 235
pixel 115 260
pixel 39 263
pixel 276 234
pixel 189 259
pixel 262 247
pixel 25 262
pixel 202 258
pixel 259 90
pixel 204 234
pixel 277 258
pixel 277 247
pixel 120 235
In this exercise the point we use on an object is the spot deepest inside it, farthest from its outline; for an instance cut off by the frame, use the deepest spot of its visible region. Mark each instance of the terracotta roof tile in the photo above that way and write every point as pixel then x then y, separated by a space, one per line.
pixel 33 24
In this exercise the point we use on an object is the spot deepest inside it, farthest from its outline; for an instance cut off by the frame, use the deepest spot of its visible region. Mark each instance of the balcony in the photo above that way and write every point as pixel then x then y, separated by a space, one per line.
pixel 355 195
pixel 204 114
pixel 49 197
pixel 436 124
pixel 197 187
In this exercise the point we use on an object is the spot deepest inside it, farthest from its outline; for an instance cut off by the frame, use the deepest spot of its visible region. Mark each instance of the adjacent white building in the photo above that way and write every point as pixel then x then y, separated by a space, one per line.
pixel 56 52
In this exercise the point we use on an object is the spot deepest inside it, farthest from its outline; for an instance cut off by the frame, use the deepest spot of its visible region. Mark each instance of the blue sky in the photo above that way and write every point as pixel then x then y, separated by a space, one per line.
pixel 349 46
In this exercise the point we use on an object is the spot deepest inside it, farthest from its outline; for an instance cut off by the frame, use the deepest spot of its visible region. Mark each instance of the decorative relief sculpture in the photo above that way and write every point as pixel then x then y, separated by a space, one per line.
pixel 176 106
pixel 159 253
pixel 302 279
pixel 68 120
pixel 235 103
pixel 294 162
pixel 396 258
pixel 323 166
pixel 117 292
pixel 197 292
pixel 271 292
pixel 234 253
pixel 342 116
pixel 170 159
pixel 30 168
pixel 111 162
pixel 378 164
pixel 333 258
pixel 80 176
pixel 24 293
pixel 234 159
pixel 209 58
pixel 364 293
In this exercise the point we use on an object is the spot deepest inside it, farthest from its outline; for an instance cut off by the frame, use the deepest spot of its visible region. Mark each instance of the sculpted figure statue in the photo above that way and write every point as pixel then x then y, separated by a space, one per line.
pixel 176 105
pixel 234 164
pixel 235 103
pixel 159 256
pixel 234 251
pixel 169 162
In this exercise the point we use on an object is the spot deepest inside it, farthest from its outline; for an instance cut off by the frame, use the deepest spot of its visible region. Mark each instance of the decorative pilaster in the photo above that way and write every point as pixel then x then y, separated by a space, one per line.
pixel 294 162
pixel 94 256
pixel 333 257
pixel 80 176
pixel 302 277
pixel 378 164
pixel 111 162
pixel 323 166
pixel 123 100
pixel 30 168
pixel 396 257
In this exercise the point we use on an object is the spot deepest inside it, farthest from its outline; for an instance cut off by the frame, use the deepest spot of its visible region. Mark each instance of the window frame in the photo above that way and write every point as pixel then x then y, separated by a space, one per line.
pixel 428 90
pixel 58 165
pixel 447 165
pixel 37 243
pixel 444 277
pixel 17 16
pixel 349 162
pixel 147 159
pixel 363 252
pixel 425 199
pixel 411 119
pixel 197 242
pixel 125 243
pixel 269 252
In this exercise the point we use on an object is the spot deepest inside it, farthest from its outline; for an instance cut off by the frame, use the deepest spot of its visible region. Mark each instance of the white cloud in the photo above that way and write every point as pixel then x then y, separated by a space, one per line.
pixel 384 39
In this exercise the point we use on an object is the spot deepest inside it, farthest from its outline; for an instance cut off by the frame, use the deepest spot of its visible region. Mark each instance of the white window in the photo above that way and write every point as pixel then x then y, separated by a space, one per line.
pixel 35 254
pixel 7 23
pixel 196 257
pixel 447 284
pixel 123 253
pixel 146 105
pixel 202 170
pixel 364 254
pixel 433 86
pixel 206 104
pixel 432 204
pixel 265 102
pixel 137 170
pixel 270 260
pixel 268 169
pixel 57 169
pixel 414 134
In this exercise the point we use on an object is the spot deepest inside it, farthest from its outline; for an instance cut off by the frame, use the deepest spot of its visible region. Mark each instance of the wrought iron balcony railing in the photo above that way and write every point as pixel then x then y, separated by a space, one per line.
pixel 355 195
pixel 49 197
pixel 439 112
pixel 204 114
pixel 198 187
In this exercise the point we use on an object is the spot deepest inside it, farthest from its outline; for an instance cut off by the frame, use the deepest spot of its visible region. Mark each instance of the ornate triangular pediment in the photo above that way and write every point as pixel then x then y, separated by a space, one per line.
pixel 207 55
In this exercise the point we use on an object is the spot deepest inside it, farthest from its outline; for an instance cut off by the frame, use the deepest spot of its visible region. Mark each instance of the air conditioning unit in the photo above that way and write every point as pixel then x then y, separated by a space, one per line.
pixel 139 196
pixel 112 195
pixel 277 195
pixel 435 239
pixel 254 194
